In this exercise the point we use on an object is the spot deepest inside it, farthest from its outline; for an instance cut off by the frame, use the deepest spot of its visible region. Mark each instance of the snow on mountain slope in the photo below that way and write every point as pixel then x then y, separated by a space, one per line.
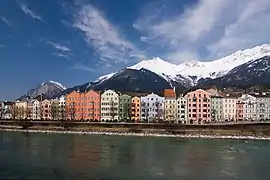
pixel 162 68
pixel 105 77
pixel 190 72
pixel 48 89
pixel 57 84
pixel 220 67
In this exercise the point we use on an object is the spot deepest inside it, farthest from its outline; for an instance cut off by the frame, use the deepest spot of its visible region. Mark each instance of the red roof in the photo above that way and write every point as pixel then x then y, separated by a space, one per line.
pixel 169 93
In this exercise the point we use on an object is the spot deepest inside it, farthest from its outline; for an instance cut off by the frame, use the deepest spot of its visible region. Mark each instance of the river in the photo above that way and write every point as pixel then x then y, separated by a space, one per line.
pixel 62 156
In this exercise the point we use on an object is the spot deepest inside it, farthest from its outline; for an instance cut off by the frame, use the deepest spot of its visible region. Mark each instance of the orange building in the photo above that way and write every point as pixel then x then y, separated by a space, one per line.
pixel 199 106
pixel 73 100
pixel 83 106
pixel 136 109
pixel 92 105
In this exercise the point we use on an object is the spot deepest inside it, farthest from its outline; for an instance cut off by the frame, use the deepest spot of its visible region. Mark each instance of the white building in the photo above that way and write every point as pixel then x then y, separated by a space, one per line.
pixel 152 108
pixel 109 106
pixel 263 106
pixel 229 108
pixel 181 110
pixel 62 107
pixel 250 107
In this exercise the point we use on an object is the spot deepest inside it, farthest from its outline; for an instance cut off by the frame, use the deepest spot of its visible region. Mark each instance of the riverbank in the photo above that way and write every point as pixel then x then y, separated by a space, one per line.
pixel 202 135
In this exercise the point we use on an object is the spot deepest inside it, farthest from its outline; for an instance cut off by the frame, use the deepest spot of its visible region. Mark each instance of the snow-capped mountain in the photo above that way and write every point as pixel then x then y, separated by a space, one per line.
pixel 130 80
pixel 48 89
pixel 189 73
pixel 221 67
pixel 252 73
pixel 241 69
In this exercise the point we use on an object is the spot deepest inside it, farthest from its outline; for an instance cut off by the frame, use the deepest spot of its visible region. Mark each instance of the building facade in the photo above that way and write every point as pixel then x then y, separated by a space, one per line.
pixel 170 113
pixel 216 109
pixel 239 109
pixel 8 110
pixel 199 110
pixel 229 108
pixel 152 108
pixel 62 108
pixel 55 109
pixel 21 110
pixel 46 110
pixel 263 106
pixel 250 107
pixel 109 106
pixel 181 110
pixel 73 106
pixel 124 107
pixel 92 105
pixel 136 109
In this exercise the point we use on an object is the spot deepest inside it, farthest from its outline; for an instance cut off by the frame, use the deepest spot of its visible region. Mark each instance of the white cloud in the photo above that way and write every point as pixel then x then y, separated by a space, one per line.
pixel 251 28
pixel 59 46
pixel 5 20
pixel 217 26
pixel 109 44
pixel 65 56
pixel 29 12
pixel 80 66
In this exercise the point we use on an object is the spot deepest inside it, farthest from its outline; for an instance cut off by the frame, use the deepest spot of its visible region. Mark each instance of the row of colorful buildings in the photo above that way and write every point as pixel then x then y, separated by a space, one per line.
pixel 196 107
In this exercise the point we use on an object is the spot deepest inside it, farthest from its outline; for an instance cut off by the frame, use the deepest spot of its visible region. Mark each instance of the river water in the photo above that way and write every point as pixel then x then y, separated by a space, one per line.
pixel 62 156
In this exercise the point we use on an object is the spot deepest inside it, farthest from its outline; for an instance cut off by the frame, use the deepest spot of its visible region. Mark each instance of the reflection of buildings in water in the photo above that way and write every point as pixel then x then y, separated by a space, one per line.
pixel 228 156
pixel 197 159
pixel 117 150
pixel 86 152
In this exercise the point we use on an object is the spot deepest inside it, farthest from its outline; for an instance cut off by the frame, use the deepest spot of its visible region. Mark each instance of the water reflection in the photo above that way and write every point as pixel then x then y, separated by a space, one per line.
pixel 51 156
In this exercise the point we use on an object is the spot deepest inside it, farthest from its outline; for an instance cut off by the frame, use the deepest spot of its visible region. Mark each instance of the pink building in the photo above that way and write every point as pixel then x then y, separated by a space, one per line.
pixel 239 110
pixel 199 106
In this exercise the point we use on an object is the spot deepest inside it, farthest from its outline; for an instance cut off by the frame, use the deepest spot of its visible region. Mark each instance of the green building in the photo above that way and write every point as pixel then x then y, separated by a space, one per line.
pixel 124 107
pixel 216 108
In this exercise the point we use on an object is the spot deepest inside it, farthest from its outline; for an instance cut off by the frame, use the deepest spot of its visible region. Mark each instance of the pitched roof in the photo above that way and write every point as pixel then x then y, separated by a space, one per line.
pixel 169 93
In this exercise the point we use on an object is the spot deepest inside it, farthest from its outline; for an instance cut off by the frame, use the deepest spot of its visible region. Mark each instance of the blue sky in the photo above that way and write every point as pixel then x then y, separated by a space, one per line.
pixel 76 41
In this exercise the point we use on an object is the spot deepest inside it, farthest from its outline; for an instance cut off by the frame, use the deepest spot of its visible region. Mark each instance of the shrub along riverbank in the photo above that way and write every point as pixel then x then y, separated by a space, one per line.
pixel 240 129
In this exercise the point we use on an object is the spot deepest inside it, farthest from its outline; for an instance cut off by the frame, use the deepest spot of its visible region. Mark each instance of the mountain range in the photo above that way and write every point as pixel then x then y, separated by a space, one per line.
pixel 241 69
pixel 47 90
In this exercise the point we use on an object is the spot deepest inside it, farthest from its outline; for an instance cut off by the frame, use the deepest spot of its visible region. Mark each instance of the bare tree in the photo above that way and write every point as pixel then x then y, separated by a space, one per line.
pixel 29 113
pixel 92 110
pixel 145 109
pixel 14 112
pixel 112 110
pixel 129 113
pixel 41 109
pixel 55 111
pixel 159 111
pixel 2 111
pixel 62 112
pixel 125 111
pixel 71 111
pixel 21 112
